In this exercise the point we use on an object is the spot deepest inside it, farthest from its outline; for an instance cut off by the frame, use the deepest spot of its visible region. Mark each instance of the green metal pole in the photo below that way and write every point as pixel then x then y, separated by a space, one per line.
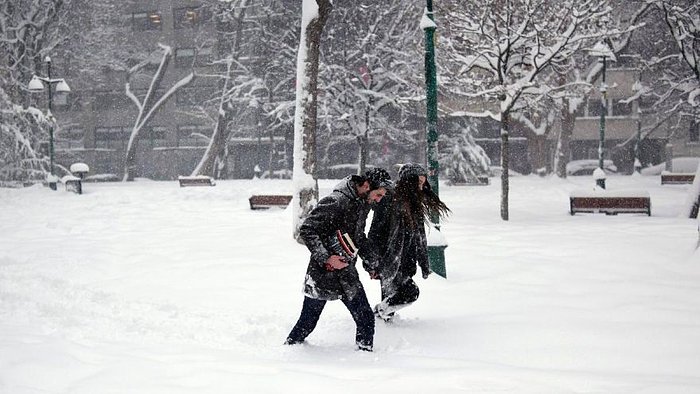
pixel 436 253
pixel 431 101
pixel 603 112
pixel 637 161
pixel 52 184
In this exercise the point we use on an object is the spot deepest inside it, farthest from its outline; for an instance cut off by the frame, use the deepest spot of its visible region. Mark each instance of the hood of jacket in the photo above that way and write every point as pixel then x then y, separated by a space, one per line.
pixel 348 187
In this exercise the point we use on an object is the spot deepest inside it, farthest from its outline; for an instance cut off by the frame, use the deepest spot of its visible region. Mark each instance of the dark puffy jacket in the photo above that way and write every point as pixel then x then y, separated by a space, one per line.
pixel 398 246
pixel 341 210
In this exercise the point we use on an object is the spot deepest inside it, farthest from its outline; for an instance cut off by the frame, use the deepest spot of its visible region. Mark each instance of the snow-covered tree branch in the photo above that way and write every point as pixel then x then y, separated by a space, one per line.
pixel 150 103
pixel 499 50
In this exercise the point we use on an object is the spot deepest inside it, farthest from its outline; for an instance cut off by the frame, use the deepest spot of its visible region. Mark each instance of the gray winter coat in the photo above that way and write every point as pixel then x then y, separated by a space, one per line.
pixel 399 247
pixel 341 210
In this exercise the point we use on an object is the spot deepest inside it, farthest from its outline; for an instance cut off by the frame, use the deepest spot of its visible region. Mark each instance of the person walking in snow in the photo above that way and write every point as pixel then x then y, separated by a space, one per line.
pixel 398 233
pixel 331 274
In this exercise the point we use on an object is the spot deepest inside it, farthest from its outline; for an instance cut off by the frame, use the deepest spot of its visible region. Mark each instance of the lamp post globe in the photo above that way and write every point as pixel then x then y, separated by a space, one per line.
pixel 35 85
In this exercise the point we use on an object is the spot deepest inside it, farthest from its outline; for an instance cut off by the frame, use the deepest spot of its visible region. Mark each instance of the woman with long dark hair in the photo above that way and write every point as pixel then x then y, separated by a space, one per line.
pixel 398 234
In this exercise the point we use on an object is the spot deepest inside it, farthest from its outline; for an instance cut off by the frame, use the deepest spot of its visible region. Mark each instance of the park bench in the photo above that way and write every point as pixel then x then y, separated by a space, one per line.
pixel 478 181
pixel 610 203
pixel 267 201
pixel 198 180
pixel 677 179
pixel 73 184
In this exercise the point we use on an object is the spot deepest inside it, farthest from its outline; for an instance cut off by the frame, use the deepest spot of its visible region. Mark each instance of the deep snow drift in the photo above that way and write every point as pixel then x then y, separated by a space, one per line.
pixel 149 288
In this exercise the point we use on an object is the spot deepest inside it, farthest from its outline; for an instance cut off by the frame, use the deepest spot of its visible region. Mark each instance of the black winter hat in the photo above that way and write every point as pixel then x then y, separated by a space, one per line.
pixel 378 177
pixel 409 169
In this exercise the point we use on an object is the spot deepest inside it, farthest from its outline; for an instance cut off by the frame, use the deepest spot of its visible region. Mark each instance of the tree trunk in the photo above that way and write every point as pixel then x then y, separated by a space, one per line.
pixel 538 153
pixel 563 151
pixel 216 150
pixel 694 197
pixel 505 153
pixel 213 163
pixel 147 105
pixel 306 193
pixel 363 142
pixel 273 150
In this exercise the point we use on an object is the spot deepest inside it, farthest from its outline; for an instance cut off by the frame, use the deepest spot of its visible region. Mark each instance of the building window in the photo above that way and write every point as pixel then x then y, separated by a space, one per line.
pixel 193 96
pixel 591 152
pixel 112 137
pixel 185 96
pixel 141 94
pixel 72 138
pixel 145 21
pixel 188 17
pixel 110 100
pixel 694 132
pixel 595 107
pixel 75 101
pixel 620 108
pixel 193 135
pixel 184 57
pixel 580 108
pixel 156 137
pixel 205 55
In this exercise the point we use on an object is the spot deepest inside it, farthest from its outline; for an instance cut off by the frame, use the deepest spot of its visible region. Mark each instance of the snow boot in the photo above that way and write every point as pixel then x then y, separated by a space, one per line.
pixel 290 341
pixel 381 312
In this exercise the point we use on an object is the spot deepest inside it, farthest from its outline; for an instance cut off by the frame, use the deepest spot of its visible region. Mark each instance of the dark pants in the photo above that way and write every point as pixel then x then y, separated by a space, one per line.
pixel 359 309
pixel 406 293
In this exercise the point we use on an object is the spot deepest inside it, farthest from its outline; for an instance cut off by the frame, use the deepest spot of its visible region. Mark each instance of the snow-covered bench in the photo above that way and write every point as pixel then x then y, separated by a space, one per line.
pixel 73 184
pixel 668 178
pixel 610 202
pixel 198 180
pixel 267 201
pixel 477 181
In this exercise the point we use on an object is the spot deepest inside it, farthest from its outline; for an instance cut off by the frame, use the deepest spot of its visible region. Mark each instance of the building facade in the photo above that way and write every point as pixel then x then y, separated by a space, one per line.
pixel 97 118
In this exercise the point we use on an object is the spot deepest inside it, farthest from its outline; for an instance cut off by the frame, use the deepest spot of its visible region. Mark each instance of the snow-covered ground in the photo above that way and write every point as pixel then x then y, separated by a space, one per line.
pixel 146 287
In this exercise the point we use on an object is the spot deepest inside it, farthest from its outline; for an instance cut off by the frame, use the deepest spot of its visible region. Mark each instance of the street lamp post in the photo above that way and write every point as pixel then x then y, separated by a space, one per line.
pixel 436 244
pixel 37 85
pixel 637 89
pixel 603 52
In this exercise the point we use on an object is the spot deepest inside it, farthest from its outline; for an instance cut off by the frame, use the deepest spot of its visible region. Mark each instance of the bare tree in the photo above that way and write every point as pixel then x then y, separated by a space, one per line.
pixel 683 23
pixel 237 96
pixel 503 47
pixel 231 18
pixel 370 78
pixel 258 44
pixel 278 41
pixel 148 106
pixel 314 16
pixel 618 28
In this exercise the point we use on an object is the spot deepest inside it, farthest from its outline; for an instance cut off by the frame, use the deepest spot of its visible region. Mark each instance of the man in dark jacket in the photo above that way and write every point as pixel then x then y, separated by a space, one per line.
pixel 330 275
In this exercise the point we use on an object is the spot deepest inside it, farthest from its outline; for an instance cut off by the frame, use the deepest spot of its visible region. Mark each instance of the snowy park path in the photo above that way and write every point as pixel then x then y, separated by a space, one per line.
pixel 148 288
